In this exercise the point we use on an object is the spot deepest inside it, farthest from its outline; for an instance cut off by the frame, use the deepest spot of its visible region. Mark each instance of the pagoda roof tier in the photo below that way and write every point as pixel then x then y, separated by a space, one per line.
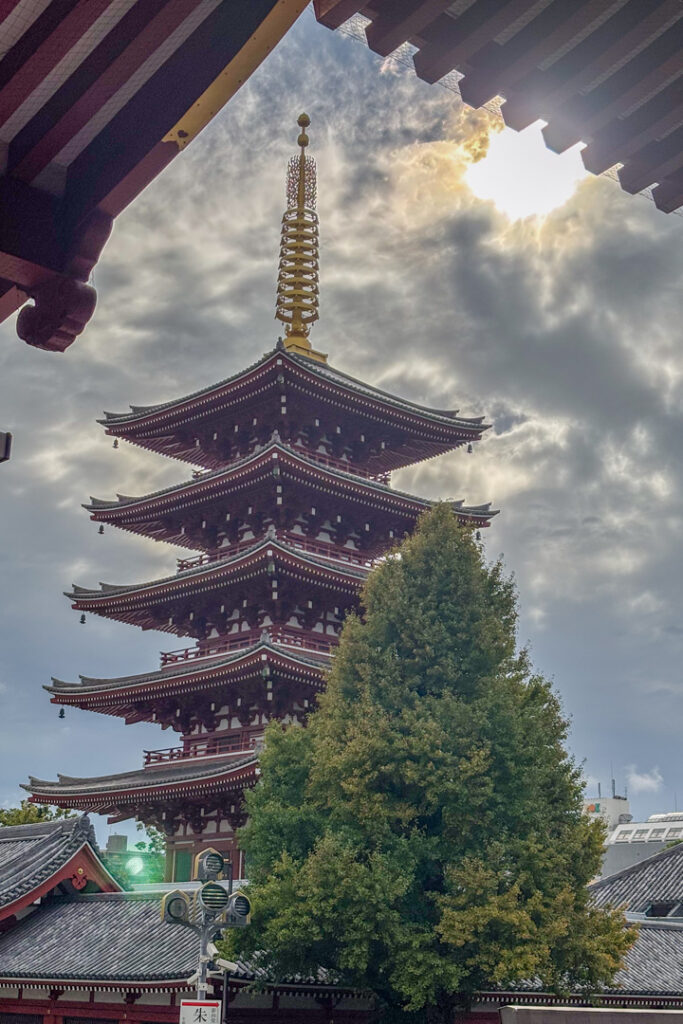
pixel 163 514
pixel 208 427
pixel 135 697
pixel 152 605
pixel 193 779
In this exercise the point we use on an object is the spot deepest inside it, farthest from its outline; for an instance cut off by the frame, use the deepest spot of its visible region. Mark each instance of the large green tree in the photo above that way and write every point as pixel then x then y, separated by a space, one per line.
pixel 424 835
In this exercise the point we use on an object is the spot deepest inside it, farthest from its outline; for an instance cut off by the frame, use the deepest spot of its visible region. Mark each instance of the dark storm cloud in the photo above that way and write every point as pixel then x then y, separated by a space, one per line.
pixel 564 333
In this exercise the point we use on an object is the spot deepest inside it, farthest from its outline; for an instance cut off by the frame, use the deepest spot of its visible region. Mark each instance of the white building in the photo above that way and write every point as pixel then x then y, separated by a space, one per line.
pixel 659 828
pixel 613 810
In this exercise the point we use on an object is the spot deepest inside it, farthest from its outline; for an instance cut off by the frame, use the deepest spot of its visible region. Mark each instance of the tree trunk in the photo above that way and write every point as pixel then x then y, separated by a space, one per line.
pixel 450 1008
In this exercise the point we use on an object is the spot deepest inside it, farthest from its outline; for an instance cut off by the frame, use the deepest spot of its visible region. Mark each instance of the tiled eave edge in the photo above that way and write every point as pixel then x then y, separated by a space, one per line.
pixel 111 985
pixel 612 998
pixel 347 577
pixel 166 686
pixel 146 422
pixel 193 492
pixel 161 984
pixel 131 794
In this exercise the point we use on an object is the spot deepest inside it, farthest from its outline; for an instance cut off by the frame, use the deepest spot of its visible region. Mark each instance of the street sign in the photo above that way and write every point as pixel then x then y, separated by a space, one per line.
pixel 200 1011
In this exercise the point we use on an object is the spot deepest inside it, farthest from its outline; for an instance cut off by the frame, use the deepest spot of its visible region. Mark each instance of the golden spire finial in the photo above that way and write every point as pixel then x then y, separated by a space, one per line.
pixel 297 281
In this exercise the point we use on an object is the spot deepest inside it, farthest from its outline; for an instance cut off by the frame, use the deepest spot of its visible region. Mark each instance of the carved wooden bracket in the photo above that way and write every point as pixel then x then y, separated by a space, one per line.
pixel 62 308
pixel 64 303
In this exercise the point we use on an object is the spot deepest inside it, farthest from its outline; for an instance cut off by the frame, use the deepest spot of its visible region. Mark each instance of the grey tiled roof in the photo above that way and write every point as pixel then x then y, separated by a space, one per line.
pixel 318 369
pixel 101 937
pixel 168 773
pixel 655 963
pixel 119 937
pixel 108 937
pixel 31 854
pixel 660 877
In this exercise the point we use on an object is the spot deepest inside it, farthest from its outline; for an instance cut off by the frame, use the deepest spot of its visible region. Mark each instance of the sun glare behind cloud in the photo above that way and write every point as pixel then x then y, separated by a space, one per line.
pixel 522 176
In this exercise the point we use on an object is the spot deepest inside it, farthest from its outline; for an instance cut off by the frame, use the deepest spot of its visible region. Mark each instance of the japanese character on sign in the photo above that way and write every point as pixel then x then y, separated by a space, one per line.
pixel 194 1011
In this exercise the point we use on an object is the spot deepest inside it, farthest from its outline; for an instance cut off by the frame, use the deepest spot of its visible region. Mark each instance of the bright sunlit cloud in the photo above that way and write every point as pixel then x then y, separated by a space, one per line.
pixel 522 176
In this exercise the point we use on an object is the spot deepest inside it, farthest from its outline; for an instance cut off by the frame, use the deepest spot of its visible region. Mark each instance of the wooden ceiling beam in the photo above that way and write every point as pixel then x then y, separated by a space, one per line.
pixel 54 45
pixel 669 195
pixel 81 79
pixel 333 13
pixel 505 65
pixel 625 136
pixel 580 118
pixel 655 163
pixel 401 20
pixel 450 42
pixel 542 92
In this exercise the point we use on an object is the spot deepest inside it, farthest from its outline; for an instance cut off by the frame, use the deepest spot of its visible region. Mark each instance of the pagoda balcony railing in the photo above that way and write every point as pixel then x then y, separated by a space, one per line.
pixel 286 636
pixel 322 457
pixel 313 547
pixel 346 467
pixel 209 747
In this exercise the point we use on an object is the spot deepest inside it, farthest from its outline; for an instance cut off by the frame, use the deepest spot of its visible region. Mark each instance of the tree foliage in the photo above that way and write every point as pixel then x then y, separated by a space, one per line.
pixel 28 814
pixel 424 835
pixel 155 842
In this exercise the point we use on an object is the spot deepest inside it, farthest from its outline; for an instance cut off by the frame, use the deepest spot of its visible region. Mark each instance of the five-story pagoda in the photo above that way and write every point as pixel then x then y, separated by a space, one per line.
pixel 289 509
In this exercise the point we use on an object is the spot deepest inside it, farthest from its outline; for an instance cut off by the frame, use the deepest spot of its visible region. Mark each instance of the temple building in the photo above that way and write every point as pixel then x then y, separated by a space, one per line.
pixel 287 509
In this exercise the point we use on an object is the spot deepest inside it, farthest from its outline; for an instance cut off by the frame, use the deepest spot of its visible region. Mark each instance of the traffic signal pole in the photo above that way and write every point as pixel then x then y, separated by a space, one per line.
pixel 221 908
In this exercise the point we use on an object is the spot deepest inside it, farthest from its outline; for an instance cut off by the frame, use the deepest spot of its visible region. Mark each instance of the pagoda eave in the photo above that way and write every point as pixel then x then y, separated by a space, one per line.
pixel 120 697
pixel 255 479
pixel 259 566
pixel 191 779
pixel 160 428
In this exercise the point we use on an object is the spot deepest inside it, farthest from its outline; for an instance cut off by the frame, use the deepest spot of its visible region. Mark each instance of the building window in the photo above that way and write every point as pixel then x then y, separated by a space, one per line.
pixel 674 833
pixel 21 1018
pixel 182 868
pixel 657 833
pixel 640 835
pixel 623 837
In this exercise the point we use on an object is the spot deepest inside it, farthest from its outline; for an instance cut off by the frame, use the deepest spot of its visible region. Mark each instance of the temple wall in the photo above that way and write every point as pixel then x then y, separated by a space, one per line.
pixel 81 1005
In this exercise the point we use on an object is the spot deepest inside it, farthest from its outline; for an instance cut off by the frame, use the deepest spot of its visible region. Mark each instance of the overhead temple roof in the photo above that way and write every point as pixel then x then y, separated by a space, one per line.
pixel 97 97
pixel 606 74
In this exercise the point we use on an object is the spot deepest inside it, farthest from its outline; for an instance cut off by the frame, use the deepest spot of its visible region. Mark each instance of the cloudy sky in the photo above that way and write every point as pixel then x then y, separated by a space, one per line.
pixel 564 330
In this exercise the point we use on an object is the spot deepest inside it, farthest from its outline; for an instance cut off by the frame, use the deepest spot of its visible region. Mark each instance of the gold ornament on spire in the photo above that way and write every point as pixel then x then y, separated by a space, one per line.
pixel 297 281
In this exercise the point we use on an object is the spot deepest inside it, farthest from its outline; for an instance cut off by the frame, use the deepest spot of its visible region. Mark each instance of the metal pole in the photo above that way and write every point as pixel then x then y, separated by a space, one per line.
pixel 206 931
pixel 226 996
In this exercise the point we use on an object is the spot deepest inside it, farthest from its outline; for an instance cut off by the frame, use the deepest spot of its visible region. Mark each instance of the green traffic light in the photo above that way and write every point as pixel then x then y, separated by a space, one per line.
pixel 135 865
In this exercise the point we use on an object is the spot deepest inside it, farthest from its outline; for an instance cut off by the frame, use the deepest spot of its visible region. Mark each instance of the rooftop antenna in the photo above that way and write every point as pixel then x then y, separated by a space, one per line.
pixel 297 280
pixel 614 788
pixel 599 792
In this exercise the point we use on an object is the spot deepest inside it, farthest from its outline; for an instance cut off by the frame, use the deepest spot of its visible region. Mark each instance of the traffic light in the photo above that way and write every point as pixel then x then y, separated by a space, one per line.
pixel 238 912
pixel 214 898
pixel 209 865
pixel 175 907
